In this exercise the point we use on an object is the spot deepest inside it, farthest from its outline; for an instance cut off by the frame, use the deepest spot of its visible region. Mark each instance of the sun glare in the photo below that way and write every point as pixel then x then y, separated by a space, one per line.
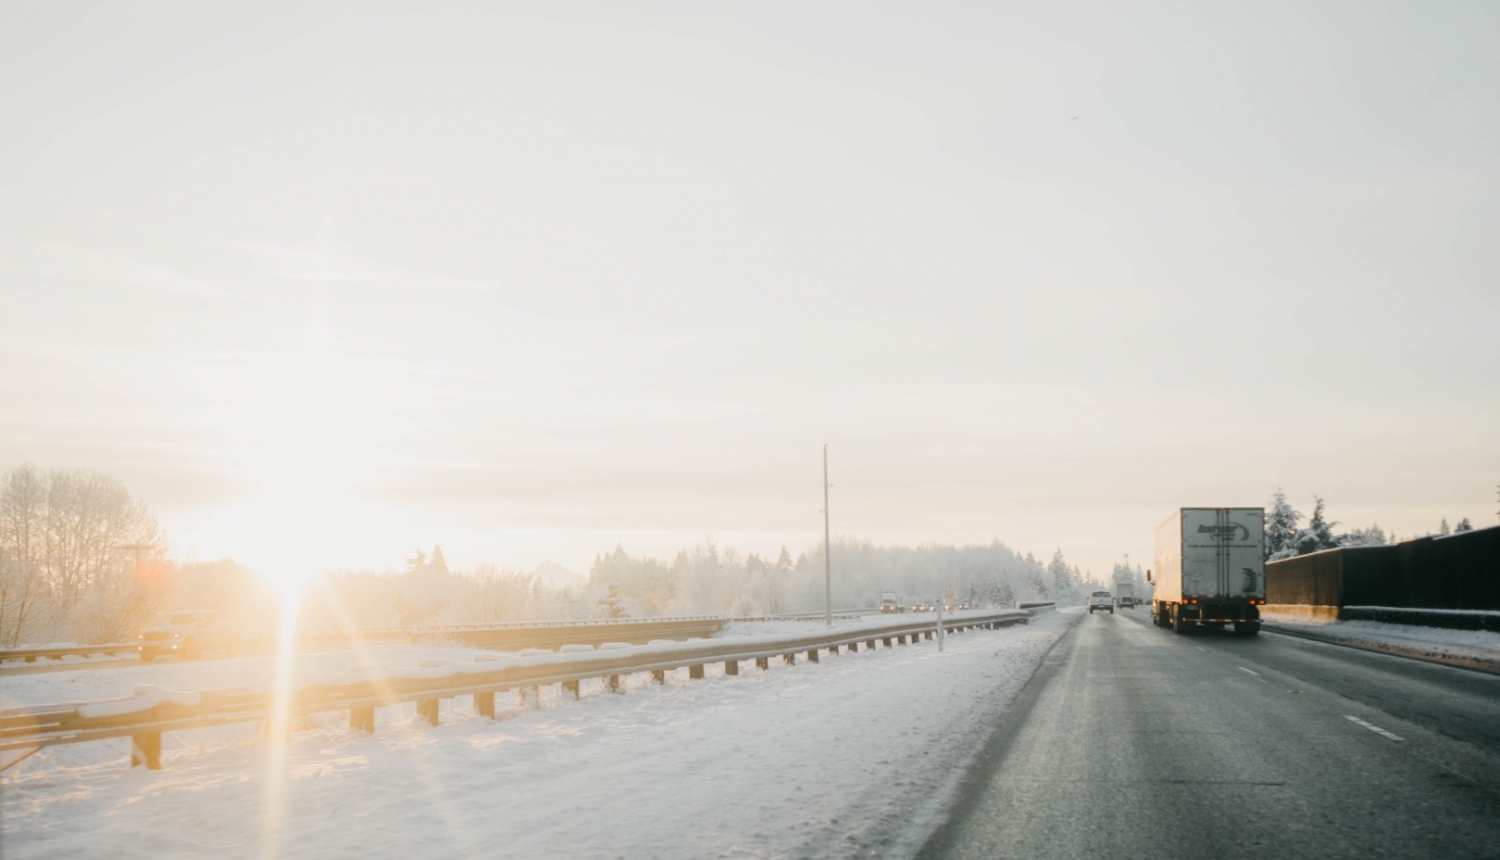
pixel 307 427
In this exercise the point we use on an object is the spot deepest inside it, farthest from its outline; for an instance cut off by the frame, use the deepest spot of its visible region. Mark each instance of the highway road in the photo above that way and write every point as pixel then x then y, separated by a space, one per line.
pixel 1133 741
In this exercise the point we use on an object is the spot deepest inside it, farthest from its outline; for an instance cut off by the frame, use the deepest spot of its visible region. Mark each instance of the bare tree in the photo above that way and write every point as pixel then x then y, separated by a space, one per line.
pixel 76 550
pixel 23 586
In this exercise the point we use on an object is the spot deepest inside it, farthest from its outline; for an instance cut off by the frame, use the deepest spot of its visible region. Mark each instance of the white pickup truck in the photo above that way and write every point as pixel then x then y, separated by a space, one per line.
pixel 187 634
pixel 1100 601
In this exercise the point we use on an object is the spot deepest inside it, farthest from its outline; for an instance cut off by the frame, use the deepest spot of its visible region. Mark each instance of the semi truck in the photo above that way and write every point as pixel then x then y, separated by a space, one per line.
pixel 890 603
pixel 1125 592
pixel 1210 570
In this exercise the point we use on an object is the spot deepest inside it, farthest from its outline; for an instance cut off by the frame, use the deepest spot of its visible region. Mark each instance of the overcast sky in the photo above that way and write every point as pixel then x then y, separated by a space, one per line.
pixel 324 283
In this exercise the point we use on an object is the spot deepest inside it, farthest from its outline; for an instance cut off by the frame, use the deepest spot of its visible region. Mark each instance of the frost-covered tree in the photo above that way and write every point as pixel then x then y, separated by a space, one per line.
pixel 1318 535
pixel 1372 536
pixel 1443 527
pixel 1463 526
pixel 1064 577
pixel 1281 527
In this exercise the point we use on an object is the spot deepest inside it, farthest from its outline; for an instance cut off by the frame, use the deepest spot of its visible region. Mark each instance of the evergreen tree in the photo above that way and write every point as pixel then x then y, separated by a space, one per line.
pixel 416 563
pixel 1061 574
pixel 436 564
pixel 1443 528
pixel 1281 527
pixel 1318 535
pixel 1463 526
pixel 785 560
pixel 1372 536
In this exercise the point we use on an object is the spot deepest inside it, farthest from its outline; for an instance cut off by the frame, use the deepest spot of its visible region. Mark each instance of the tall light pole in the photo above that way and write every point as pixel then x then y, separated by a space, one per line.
pixel 827 549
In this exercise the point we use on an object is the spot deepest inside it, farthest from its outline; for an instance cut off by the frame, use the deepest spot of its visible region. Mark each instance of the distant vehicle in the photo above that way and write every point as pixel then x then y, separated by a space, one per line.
pixel 964 605
pixel 889 603
pixel 1100 601
pixel 921 607
pixel 187 634
pixel 1125 592
pixel 1209 569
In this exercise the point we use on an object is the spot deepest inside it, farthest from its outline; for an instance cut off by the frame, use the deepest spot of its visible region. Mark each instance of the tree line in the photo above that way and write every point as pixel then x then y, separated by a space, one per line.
pixel 1286 536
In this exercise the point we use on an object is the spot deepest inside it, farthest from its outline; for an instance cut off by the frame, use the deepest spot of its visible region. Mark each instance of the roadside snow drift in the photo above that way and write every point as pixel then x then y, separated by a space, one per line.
pixel 855 756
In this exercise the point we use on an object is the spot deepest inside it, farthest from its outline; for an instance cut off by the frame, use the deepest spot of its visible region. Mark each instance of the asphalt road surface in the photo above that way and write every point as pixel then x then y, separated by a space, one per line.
pixel 1134 741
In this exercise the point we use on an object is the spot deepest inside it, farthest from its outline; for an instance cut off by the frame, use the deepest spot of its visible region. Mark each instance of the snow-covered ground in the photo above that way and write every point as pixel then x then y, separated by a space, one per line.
pixel 855 756
pixel 1470 645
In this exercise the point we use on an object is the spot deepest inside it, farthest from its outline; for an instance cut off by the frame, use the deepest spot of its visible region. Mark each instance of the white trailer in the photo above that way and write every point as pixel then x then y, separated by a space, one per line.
pixel 1125 593
pixel 1210 569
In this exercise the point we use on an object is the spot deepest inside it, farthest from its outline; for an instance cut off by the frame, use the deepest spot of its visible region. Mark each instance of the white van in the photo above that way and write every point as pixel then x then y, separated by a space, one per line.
pixel 1101 600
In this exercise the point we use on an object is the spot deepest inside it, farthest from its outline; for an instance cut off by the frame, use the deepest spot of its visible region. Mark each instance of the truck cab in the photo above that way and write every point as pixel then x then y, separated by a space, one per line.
pixel 890 603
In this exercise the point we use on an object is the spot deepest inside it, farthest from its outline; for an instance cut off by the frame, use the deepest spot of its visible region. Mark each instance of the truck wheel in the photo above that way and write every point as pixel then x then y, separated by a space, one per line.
pixel 1247 628
pixel 1177 623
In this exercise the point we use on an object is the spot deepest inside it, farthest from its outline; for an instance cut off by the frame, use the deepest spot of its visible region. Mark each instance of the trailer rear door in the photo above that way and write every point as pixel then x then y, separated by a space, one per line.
pixel 1222 552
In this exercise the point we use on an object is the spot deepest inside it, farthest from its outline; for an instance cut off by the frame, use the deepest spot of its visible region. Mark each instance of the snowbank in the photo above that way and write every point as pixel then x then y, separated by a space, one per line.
pixel 856 755
pixel 1481 646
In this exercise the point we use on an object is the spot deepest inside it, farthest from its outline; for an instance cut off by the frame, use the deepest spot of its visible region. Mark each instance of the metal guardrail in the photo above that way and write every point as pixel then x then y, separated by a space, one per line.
pixel 504 634
pixel 26 729
pixel 31 655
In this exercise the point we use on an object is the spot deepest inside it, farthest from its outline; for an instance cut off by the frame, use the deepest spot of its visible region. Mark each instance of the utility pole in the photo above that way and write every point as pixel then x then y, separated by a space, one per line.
pixel 827 549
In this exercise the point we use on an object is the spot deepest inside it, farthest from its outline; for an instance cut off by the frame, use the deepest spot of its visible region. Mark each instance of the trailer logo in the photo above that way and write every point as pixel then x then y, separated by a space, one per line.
pixel 1226 532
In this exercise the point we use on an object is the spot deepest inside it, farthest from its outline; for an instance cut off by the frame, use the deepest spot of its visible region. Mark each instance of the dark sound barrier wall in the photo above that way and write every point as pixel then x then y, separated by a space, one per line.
pixel 1459 571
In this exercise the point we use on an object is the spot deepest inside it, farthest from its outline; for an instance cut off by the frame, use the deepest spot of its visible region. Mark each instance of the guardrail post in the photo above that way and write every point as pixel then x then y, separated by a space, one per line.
pixel 762 663
pixel 484 704
pixel 362 719
pixel 571 687
pixel 427 709
pixel 731 667
pixel 695 671
pixel 790 659
pixel 614 684
pixel 145 748
pixel 812 656
pixel 659 676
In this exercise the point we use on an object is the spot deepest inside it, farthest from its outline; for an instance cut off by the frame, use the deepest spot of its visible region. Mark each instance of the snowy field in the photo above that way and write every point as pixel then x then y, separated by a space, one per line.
pixel 1479 645
pixel 855 756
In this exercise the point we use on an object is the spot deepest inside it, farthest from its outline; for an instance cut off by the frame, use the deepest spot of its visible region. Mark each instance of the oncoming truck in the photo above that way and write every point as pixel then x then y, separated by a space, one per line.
pixel 1210 569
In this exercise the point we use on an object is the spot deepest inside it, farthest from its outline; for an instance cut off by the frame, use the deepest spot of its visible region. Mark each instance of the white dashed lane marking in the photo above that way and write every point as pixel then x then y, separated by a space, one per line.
pixel 1374 728
pixel 1251 671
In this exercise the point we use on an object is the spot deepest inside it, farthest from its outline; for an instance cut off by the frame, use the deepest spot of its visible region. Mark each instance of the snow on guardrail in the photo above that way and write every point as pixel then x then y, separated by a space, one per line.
pixel 150 711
